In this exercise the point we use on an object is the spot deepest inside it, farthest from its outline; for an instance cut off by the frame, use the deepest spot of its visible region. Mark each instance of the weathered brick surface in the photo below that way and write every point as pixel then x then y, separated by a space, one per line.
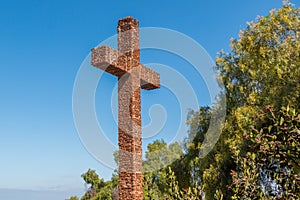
pixel 149 79
pixel 128 38
pixel 132 76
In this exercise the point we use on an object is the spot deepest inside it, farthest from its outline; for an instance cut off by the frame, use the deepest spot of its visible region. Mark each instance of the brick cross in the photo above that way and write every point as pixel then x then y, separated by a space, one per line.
pixel 132 76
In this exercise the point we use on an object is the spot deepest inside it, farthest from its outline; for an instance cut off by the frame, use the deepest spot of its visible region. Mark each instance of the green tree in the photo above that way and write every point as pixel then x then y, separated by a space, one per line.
pixel 160 181
pixel 98 188
pixel 271 166
pixel 254 158
pixel 91 178
pixel 158 157
pixel 261 71
pixel 73 198
pixel 211 172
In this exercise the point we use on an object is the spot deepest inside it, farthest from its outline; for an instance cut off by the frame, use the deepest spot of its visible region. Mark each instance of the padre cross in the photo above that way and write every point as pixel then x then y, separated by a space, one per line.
pixel 132 76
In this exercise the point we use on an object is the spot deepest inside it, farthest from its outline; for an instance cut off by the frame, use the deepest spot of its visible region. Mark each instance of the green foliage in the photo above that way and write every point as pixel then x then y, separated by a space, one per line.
pixel 166 187
pixel 73 198
pixel 209 172
pixel 98 188
pixel 262 71
pixel 91 178
pixel 263 67
pixel 271 167
pixel 160 181
pixel 159 155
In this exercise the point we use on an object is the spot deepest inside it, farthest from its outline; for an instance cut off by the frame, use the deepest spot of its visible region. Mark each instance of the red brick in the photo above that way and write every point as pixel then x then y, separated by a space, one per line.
pixel 132 76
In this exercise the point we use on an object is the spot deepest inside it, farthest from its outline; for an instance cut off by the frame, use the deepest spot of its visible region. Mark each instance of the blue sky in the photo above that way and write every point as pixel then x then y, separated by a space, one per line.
pixel 42 45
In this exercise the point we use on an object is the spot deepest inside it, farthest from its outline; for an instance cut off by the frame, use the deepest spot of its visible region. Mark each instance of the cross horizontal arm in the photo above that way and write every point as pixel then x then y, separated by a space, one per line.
pixel 106 58
pixel 149 79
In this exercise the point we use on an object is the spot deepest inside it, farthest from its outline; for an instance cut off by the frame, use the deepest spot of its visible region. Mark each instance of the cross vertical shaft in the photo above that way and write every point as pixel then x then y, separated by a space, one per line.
pixel 129 109
pixel 132 76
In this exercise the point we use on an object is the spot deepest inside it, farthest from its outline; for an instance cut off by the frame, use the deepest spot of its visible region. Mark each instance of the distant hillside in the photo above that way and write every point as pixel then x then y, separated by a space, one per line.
pixel 14 194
